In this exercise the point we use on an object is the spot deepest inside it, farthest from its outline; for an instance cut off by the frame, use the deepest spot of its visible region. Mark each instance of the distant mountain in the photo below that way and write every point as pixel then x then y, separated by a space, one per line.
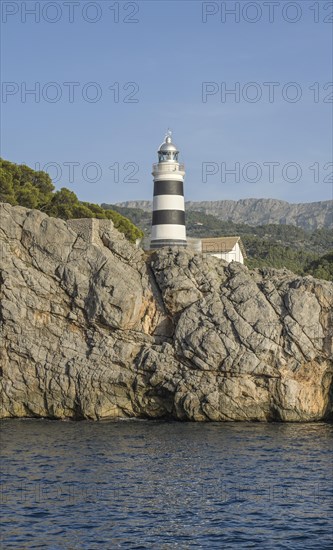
pixel 309 216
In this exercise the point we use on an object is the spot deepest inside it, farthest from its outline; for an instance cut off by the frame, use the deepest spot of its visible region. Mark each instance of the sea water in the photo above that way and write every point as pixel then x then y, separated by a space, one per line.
pixel 144 484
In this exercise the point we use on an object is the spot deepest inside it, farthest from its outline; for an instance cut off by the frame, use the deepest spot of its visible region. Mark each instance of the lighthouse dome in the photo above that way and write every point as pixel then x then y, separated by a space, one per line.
pixel 168 150
pixel 167 145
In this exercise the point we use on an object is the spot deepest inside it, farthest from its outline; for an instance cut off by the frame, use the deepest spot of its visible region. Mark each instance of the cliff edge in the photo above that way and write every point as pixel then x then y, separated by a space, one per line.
pixel 92 327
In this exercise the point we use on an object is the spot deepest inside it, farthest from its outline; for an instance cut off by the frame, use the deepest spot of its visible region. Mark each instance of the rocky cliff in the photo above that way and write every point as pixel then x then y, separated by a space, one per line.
pixel 312 215
pixel 91 327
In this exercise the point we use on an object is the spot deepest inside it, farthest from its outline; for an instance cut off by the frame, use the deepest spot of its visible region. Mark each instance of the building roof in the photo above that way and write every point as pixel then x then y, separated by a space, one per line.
pixel 218 245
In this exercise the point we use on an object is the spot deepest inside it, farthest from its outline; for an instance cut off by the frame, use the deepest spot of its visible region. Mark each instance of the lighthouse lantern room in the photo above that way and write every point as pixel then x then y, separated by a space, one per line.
pixel 168 223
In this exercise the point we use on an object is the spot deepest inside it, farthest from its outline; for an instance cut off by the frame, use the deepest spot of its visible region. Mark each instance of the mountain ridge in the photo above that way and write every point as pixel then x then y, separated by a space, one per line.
pixel 309 216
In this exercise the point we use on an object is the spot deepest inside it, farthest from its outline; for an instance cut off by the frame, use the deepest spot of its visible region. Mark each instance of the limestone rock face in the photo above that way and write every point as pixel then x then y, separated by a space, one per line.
pixel 94 328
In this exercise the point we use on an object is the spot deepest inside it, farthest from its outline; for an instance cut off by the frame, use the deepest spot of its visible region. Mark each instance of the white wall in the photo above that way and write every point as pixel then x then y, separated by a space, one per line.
pixel 234 255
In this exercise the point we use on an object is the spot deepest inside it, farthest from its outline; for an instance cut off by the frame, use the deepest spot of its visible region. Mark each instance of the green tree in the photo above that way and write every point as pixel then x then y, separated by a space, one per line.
pixel 322 268
pixel 7 193
pixel 20 184
pixel 28 195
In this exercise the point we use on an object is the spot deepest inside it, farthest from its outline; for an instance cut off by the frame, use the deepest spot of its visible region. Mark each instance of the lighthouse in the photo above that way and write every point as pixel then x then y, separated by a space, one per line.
pixel 168 223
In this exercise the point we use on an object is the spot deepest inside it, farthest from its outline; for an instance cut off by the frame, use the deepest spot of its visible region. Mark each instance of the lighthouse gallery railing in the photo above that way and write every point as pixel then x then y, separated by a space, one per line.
pixel 168 167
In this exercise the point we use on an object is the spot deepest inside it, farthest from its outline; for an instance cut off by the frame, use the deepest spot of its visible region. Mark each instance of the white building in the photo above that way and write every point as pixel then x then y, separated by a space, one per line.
pixel 230 249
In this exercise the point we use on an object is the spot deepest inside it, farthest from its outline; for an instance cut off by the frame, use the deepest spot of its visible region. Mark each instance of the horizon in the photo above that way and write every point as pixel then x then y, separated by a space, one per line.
pixel 247 95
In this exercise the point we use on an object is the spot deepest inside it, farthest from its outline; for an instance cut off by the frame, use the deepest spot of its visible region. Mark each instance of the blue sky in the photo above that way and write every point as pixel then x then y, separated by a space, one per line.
pixel 104 149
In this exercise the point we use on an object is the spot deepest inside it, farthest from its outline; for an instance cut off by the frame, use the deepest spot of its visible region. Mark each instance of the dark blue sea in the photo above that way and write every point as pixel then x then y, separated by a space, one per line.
pixel 142 484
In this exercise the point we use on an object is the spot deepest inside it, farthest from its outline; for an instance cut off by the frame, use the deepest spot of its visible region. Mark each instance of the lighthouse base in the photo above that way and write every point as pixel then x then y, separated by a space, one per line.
pixel 160 243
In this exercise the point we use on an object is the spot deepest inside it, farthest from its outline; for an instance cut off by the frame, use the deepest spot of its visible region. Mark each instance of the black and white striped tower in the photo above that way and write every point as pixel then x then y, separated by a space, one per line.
pixel 168 224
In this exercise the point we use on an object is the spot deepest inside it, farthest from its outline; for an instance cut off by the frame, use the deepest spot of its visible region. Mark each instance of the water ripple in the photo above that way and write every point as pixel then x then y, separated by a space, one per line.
pixel 166 485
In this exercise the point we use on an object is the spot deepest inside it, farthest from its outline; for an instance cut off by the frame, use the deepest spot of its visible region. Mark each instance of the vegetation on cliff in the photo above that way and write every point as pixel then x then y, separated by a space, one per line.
pixel 323 267
pixel 21 185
